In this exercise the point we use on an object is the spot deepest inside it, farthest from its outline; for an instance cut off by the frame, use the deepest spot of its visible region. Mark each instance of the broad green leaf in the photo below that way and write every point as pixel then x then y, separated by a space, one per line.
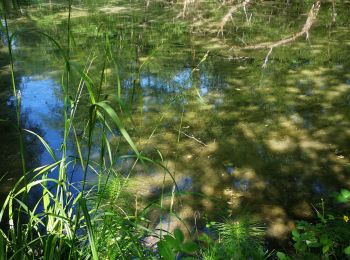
pixel 281 256
pixel 347 250
pixel 179 235
pixel 325 248
pixel 324 239
pixel 312 243
pixel 189 247
pixel 165 251
pixel 345 193
pixel 295 234
pixel 172 242
pixel 343 196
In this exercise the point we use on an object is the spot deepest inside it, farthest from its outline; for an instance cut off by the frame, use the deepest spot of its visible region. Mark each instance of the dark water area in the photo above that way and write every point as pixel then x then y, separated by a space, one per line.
pixel 269 141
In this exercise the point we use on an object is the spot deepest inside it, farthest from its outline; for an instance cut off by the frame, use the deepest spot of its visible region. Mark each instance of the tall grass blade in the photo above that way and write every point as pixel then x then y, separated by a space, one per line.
pixel 88 81
pixel 3 243
pixel 116 120
pixel 89 229
pixel 46 145
pixel 109 51
pixel 77 143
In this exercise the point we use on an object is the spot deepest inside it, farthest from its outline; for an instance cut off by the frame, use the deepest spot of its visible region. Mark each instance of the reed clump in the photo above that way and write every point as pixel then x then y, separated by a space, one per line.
pixel 69 220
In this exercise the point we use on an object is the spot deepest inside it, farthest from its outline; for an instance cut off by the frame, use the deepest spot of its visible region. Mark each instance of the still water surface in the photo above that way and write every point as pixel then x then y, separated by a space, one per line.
pixel 268 141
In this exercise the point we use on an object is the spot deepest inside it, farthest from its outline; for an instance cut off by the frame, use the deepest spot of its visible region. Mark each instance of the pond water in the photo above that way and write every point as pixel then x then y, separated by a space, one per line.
pixel 270 141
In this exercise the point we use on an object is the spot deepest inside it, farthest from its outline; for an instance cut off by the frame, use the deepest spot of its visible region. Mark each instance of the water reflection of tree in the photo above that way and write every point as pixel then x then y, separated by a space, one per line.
pixel 10 159
pixel 283 129
pixel 11 169
pixel 273 136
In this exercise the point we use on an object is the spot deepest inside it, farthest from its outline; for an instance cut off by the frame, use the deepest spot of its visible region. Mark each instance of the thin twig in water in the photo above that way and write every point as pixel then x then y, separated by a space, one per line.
pixel 194 138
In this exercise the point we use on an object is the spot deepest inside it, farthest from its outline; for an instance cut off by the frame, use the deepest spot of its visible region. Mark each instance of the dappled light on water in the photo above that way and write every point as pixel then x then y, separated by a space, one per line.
pixel 240 129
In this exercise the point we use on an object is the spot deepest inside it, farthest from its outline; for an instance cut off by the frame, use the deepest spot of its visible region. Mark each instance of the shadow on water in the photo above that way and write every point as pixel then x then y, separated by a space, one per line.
pixel 272 142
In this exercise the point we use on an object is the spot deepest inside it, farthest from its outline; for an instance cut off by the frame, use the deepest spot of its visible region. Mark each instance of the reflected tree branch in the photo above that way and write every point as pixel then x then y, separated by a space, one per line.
pixel 311 18
pixel 229 14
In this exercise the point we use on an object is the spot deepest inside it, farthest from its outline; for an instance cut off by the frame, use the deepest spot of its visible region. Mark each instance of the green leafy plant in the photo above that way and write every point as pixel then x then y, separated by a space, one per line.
pixel 327 237
pixel 172 245
pixel 343 196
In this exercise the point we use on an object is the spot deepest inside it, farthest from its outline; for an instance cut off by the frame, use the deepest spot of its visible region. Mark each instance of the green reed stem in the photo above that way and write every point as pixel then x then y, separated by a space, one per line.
pixel 16 94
